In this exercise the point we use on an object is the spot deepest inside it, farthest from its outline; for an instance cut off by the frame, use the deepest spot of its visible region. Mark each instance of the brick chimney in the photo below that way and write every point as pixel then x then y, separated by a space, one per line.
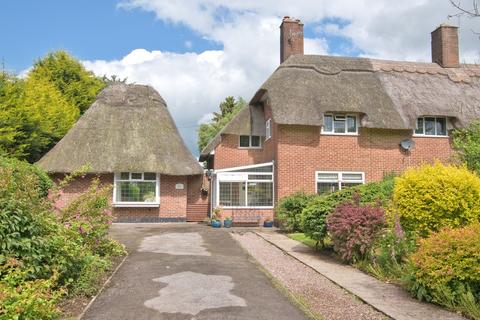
pixel 291 38
pixel 445 46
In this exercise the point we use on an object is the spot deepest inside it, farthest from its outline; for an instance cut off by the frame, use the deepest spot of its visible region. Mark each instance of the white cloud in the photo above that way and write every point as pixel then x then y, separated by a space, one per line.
pixel 193 84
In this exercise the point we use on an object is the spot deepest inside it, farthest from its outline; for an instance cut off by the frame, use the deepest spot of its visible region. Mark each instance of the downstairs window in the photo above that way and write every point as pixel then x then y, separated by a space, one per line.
pixel 136 189
pixel 328 181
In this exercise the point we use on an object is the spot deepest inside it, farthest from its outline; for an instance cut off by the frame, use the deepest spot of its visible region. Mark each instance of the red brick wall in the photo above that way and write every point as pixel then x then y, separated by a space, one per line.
pixel 173 202
pixel 302 151
pixel 230 155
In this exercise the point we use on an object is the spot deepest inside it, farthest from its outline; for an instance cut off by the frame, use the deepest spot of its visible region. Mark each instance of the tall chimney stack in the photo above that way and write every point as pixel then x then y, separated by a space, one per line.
pixel 445 46
pixel 291 38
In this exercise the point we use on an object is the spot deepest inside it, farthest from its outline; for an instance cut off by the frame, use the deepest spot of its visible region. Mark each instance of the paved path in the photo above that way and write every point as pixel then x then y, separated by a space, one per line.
pixel 184 271
pixel 389 299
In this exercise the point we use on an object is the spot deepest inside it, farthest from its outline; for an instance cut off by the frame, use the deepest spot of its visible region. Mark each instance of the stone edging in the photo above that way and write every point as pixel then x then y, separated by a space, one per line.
pixel 101 289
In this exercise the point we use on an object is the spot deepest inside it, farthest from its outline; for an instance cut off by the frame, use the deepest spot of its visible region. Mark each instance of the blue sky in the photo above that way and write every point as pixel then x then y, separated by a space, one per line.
pixel 197 52
pixel 88 29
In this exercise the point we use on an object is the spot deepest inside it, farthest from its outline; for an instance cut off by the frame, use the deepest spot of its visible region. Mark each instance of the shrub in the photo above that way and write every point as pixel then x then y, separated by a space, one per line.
pixel 467 144
pixel 289 210
pixel 429 198
pixel 446 268
pixel 354 228
pixel 23 298
pixel 314 216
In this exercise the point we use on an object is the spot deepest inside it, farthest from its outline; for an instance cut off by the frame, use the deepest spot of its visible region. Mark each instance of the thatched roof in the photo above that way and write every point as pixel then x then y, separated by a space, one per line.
pixel 248 121
pixel 128 128
pixel 389 94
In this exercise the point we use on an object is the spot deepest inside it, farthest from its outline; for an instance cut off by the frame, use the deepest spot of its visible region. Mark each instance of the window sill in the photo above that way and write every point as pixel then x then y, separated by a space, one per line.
pixel 340 134
pixel 248 148
pixel 428 136
pixel 136 205
pixel 245 208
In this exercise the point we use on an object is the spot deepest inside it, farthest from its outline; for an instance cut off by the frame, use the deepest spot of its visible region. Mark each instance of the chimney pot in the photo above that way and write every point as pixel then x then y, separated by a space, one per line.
pixel 445 50
pixel 291 38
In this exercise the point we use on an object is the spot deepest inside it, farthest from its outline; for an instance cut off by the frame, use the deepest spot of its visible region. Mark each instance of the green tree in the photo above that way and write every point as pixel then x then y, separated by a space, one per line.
pixel 228 109
pixel 79 86
pixel 466 142
pixel 34 115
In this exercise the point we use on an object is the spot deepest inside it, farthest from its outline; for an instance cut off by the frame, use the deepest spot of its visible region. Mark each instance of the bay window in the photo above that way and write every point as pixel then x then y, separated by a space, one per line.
pixel 329 181
pixel 136 189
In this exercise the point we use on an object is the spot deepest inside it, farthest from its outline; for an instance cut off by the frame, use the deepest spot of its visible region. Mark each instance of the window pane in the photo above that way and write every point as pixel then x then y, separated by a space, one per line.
pixel 352 176
pixel 441 127
pixel 255 141
pixel 326 187
pixel 339 125
pixel 259 177
pixel 136 191
pixel 244 141
pixel 260 194
pixel 125 176
pixel 351 124
pixel 150 176
pixel 350 184
pixel 136 176
pixel 328 123
pixel 327 176
pixel 232 194
pixel 419 129
pixel 430 126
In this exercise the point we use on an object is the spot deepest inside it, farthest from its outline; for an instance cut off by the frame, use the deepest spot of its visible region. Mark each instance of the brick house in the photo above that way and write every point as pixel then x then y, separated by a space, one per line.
pixel 128 139
pixel 323 123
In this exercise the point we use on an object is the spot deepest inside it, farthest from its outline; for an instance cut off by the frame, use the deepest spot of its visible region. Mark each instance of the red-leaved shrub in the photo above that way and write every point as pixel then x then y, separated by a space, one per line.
pixel 354 228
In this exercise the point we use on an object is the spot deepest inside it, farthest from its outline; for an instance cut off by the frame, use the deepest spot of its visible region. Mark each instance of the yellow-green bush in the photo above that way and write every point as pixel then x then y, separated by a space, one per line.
pixel 446 269
pixel 432 197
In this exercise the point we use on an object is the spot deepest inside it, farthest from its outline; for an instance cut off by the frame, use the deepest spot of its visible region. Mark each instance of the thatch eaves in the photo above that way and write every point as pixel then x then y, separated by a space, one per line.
pixel 388 94
pixel 128 128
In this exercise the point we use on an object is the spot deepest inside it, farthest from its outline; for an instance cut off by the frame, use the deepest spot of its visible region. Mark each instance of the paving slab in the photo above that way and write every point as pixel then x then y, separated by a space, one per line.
pixel 187 271
pixel 390 299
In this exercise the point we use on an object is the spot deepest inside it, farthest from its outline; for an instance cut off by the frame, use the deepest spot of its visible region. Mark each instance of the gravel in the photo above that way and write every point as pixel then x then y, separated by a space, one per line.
pixel 321 296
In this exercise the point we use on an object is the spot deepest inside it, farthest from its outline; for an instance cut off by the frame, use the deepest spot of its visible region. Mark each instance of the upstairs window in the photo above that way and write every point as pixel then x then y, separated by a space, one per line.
pixel 136 189
pixel 328 181
pixel 249 142
pixel 340 124
pixel 431 127
pixel 268 129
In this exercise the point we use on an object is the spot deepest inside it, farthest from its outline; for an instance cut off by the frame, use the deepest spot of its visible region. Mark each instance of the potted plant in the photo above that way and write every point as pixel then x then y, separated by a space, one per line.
pixel 216 221
pixel 268 223
pixel 227 223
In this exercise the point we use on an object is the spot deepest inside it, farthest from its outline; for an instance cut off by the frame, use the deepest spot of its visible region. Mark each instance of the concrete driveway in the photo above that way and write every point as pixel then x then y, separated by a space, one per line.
pixel 187 271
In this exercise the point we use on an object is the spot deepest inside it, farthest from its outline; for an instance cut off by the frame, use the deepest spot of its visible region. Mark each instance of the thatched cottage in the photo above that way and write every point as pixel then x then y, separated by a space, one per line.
pixel 128 139
pixel 323 123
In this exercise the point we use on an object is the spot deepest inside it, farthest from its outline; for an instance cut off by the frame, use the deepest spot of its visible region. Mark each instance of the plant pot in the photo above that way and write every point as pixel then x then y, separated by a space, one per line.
pixel 268 224
pixel 227 223
pixel 216 224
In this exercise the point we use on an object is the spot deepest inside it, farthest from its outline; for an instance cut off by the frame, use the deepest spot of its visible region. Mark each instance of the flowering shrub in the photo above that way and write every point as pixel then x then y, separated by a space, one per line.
pixel 446 268
pixel 430 198
pixel 354 228
pixel 289 210
pixel 46 253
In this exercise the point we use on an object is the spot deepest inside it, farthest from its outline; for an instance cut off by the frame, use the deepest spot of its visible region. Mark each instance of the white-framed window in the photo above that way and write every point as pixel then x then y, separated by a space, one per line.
pixel 431 127
pixel 136 189
pixel 342 124
pixel 251 142
pixel 268 129
pixel 249 187
pixel 331 181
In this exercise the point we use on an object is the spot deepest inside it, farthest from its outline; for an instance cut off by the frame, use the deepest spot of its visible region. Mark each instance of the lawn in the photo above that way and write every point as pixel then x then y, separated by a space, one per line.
pixel 301 237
